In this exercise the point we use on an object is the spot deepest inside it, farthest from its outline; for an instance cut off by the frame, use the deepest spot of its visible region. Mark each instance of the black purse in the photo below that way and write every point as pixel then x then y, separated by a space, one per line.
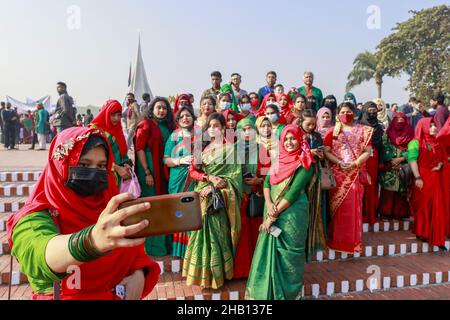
pixel 256 205
pixel 217 202
pixel 406 176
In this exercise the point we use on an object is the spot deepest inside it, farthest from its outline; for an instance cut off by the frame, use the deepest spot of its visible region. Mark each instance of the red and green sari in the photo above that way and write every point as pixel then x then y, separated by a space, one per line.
pixel 345 231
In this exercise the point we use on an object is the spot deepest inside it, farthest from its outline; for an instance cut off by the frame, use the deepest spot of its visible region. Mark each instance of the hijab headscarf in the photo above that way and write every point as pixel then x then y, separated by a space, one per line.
pixel 444 134
pixel 383 114
pixel 51 193
pixel 323 126
pixel 238 117
pixel 73 213
pixel 332 106
pixel 287 109
pixel 423 134
pixel 368 120
pixel 178 101
pixel 268 143
pixel 227 88
pixel 103 122
pixel 262 109
pixel 350 97
pixel 289 162
pixel 400 135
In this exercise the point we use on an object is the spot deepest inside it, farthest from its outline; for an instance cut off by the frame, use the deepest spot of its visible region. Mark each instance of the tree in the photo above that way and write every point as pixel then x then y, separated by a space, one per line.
pixel 420 47
pixel 366 68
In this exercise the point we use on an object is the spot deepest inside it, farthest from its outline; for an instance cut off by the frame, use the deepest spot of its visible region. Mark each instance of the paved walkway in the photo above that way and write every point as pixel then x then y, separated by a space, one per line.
pixel 16 160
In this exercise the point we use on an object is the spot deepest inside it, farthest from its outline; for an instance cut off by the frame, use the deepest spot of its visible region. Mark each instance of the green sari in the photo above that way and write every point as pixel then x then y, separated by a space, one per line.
pixel 278 263
pixel 159 246
pixel 210 252
pixel 178 146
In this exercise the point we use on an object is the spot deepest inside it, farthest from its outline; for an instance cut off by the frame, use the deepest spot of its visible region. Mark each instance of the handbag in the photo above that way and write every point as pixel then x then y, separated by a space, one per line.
pixel 131 186
pixel 327 178
pixel 217 202
pixel 256 205
pixel 406 176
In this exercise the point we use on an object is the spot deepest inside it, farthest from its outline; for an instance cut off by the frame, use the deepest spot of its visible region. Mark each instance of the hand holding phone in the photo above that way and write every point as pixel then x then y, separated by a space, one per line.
pixel 275 231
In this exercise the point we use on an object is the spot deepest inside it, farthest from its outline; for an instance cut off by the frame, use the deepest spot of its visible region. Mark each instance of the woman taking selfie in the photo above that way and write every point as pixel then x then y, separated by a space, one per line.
pixel 70 222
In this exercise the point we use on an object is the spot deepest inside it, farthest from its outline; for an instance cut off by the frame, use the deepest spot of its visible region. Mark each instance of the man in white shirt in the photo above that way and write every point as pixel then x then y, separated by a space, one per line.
pixel 236 81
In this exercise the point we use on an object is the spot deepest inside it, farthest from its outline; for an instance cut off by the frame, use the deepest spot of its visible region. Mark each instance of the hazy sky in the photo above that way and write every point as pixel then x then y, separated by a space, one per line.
pixel 183 41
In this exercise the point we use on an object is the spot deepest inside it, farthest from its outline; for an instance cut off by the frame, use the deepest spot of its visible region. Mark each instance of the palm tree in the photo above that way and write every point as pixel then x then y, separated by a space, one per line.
pixel 366 68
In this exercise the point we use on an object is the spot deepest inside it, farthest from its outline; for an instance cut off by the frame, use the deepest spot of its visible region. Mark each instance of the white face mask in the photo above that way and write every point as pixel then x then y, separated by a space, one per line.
pixel 246 107
pixel 273 118
pixel 225 106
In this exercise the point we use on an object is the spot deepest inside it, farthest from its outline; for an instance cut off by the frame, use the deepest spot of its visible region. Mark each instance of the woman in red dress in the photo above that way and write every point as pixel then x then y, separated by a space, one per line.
pixel 347 147
pixel 426 157
pixel 371 195
pixel 444 139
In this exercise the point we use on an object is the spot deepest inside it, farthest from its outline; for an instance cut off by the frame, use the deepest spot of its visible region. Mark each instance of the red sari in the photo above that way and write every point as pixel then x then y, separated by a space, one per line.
pixel 428 204
pixel 74 213
pixel 250 226
pixel 345 231
pixel 444 139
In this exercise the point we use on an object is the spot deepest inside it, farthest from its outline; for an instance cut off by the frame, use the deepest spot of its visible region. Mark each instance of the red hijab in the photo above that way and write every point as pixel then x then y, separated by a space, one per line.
pixel 289 162
pixel 287 110
pixel 400 135
pixel 178 101
pixel 227 113
pixel 103 121
pixel 74 213
pixel 423 134
pixel 149 135
pixel 444 134
pixel 262 109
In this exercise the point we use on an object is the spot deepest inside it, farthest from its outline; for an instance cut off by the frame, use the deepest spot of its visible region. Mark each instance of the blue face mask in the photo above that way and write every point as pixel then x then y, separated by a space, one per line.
pixel 246 107
pixel 225 106
pixel 273 118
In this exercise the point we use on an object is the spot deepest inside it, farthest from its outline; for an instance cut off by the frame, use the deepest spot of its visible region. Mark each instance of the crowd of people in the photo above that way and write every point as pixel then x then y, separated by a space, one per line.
pixel 31 127
pixel 281 176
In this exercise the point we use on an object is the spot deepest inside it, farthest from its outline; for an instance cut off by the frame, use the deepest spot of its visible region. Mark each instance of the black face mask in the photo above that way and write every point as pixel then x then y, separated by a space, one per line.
pixel 87 181
pixel 372 115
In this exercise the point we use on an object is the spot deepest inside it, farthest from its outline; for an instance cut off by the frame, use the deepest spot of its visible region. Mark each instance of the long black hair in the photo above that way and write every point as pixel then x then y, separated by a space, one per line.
pixel 188 109
pixel 169 118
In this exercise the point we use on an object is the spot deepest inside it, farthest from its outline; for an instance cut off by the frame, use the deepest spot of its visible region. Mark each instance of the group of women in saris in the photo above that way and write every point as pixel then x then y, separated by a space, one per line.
pixel 239 152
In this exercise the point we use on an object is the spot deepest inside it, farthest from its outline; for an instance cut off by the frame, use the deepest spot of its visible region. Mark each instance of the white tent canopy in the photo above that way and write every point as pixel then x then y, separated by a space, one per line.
pixel 30 104
pixel 139 82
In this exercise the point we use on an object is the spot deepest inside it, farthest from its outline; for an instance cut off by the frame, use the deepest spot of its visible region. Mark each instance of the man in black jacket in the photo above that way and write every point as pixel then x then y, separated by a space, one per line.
pixel 9 119
pixel 64 116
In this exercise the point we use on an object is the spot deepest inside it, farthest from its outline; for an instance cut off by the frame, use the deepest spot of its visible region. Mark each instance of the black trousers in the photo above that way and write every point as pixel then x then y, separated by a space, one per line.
pixel 34 139
pixel 10 135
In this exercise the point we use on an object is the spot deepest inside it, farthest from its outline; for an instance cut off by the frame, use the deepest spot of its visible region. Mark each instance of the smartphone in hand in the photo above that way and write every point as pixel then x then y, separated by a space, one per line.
pixel 275 231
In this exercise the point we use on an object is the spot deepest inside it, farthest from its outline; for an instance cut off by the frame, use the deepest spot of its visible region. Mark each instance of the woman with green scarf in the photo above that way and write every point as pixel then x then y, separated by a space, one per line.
pixel 151 136
pixel 209 257
pixel 255 161
pixel 226 88
pixel 279 259
pixel 178 157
